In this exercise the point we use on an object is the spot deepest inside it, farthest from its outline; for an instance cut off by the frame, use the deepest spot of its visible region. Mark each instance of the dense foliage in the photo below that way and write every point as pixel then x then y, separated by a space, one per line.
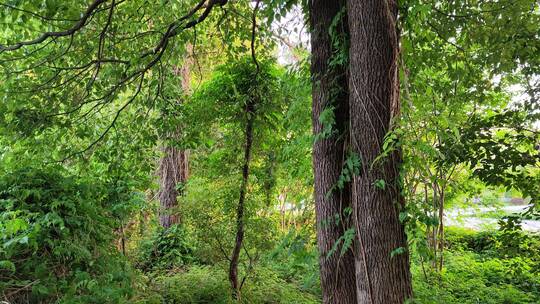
pixel 57 239
pixel 86 111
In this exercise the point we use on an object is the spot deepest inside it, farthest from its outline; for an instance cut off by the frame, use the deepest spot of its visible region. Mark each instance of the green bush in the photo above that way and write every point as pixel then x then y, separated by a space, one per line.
pixel 166 249
pixel 56 243
pixel 468 239
pixel 496 243
pixel 483 267
pixel 469 278
pixel 296 260
pixel 196 285
pixel 204 284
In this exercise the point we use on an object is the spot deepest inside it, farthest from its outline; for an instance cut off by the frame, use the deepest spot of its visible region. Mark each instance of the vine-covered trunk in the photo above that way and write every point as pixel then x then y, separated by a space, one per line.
pixel 381 259
pixel 174 165
pixel 233 266
pixel 329 93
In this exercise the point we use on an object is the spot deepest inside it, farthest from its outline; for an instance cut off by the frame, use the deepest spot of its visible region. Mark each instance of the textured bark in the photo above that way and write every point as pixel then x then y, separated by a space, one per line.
pixel 373 100
pixel 173 170
pixel 330 89
pixel 173 166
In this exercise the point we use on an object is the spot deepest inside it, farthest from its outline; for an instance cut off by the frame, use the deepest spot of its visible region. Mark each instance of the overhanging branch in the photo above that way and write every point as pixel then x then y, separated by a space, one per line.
pixel 80 24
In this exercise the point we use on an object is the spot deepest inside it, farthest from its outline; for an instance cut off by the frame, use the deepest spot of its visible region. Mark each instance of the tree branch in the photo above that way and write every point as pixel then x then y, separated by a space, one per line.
pixel 80 24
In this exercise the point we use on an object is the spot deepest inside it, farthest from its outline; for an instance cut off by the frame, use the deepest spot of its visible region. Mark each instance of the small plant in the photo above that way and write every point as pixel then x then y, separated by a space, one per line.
pixel 166 249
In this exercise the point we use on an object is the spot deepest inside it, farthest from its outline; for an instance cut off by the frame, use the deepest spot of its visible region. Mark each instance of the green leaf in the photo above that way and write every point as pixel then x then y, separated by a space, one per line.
pixel 399 250
pixel 380 184
pixel 23 240
pixel 403 216
pixel 7 265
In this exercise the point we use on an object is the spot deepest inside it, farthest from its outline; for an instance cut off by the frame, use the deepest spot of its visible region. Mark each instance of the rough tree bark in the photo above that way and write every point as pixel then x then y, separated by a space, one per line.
pixel 173 170
pixel 330 90
pixel 373 100
pixel 174 165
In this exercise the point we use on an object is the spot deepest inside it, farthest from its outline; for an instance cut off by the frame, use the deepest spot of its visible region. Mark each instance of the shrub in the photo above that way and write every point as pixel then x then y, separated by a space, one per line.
pixel 166 249
pixel 468 239
pixel 501 244
pixel 205 284
pixel 483 267
pixel 468 279
pixel 296 260
pixel 56 243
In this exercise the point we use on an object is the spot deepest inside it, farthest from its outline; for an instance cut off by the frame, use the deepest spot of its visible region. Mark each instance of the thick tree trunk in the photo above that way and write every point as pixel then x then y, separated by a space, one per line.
pixel 173 166
pixel 173 171
pixel 373 100
pixel 330 90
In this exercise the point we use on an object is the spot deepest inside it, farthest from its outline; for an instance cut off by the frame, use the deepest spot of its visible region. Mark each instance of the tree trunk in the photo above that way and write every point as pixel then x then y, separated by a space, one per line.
pixel 330 90
pixel 174 165
pixel 173 171
pixel 235 257
pixel 373 101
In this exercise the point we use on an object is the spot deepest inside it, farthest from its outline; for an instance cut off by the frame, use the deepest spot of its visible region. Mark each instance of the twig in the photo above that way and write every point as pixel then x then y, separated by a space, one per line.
pixel 21 289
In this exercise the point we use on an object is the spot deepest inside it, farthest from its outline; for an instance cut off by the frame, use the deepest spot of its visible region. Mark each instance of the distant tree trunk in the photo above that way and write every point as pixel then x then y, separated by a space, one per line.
pixel 173 171
pixel 173 166
pixel 330 90
pixel 373 100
